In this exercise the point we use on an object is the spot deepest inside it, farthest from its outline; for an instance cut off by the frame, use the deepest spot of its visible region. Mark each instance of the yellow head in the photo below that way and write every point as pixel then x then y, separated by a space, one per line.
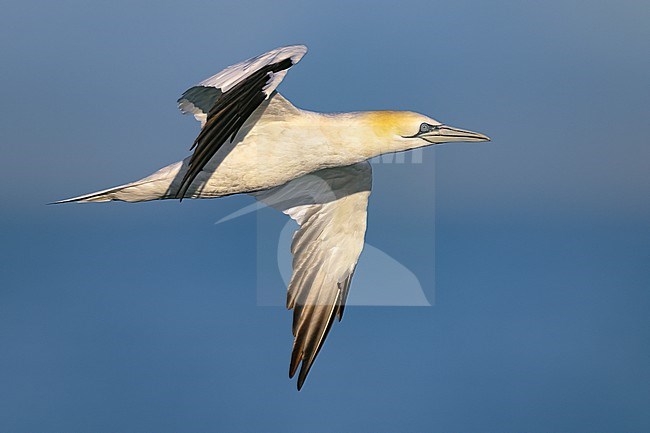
pixel 407 130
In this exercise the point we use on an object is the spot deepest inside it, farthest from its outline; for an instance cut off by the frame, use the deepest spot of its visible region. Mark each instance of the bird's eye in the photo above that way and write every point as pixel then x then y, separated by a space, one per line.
pixel 425 127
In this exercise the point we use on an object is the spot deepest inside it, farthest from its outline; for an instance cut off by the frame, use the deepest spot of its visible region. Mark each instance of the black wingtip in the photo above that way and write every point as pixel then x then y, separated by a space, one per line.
pixel 295 362
pixel 182 189
pixel 304 371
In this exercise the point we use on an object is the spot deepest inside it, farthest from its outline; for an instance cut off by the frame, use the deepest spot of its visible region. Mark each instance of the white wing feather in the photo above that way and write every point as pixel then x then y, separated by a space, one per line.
pixel 199 99
pixel 330 207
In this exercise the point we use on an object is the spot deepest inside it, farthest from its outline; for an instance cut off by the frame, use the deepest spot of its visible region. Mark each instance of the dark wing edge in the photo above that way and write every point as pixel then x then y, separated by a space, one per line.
pixel 227 116
pixel 330 207
pixel 311 326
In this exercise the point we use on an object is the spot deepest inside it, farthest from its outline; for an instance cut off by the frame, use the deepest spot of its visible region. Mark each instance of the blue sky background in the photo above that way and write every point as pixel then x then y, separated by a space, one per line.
pixel 143 318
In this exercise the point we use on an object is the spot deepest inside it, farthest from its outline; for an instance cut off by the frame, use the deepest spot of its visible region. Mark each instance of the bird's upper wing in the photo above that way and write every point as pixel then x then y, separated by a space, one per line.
pixel 330 207
pixel 223 102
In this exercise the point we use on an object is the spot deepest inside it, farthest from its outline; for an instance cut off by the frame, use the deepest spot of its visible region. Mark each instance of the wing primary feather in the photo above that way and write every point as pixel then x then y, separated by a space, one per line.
pixel 345 289
pixel 202 155
pixel 327 316
pixel 226 117
pixel 330 207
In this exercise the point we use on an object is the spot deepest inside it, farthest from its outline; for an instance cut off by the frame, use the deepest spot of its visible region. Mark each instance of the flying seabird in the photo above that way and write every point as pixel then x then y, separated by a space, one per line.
pixel 311 166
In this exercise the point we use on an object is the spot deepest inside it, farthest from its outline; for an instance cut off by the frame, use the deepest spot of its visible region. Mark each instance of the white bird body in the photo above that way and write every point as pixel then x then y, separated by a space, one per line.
pixel 277 144
pixel 311 166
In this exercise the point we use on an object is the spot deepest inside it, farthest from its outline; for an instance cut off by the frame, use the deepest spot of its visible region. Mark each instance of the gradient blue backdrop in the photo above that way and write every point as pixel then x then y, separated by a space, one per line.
pixel 143 318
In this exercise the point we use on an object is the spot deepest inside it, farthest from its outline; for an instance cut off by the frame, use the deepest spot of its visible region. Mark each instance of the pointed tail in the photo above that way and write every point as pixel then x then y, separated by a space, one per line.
pixel 160 185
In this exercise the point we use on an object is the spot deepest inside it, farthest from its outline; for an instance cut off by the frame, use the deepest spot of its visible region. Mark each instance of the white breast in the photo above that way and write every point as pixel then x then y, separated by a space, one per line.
pixel 279 146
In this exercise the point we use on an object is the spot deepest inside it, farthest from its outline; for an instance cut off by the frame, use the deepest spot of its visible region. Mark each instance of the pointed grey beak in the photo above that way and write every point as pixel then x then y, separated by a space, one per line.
pixel 446 134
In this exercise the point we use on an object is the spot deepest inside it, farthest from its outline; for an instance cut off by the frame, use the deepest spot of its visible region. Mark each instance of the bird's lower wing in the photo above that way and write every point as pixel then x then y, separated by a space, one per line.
pixel 330 207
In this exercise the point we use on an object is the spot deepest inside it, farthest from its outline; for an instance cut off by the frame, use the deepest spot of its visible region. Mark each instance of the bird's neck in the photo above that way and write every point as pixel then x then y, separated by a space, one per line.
pixel 369 133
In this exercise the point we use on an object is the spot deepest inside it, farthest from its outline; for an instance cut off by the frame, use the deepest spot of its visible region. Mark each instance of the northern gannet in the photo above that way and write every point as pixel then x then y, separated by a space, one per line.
pixel 311 166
